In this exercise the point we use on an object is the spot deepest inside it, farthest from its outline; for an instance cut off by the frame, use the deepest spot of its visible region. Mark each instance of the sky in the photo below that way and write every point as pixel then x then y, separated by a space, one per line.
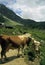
pixel 27 9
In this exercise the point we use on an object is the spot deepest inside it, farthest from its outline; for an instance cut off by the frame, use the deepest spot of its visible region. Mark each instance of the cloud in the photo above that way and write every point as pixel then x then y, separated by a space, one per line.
pixel 41 2
pixel 27 8
pixel 18 11
pixel 7 1
pixel 36 13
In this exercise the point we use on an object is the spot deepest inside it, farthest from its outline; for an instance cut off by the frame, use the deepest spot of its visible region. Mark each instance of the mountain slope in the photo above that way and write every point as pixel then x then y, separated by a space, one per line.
pixel 8 21
pixel 8 13
pixel 6 16
pixel 11 15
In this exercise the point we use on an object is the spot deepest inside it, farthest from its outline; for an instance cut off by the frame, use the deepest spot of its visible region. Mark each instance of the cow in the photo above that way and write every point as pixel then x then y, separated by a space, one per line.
pixel 18 41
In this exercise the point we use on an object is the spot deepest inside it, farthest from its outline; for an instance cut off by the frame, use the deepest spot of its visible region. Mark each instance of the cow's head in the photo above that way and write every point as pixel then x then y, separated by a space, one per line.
pixel 28 37
pixel 28 41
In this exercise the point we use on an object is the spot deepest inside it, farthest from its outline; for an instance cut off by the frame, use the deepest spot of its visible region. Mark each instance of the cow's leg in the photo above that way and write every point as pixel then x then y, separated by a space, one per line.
pixel 5 57
pixel 2 54
pixel 18 51
pixel 22 51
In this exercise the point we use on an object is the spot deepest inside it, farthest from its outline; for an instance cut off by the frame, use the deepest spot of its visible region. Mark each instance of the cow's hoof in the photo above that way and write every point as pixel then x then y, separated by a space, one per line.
pixel 22 56
pixel 3 61
pixel 6 59
pixel 18 55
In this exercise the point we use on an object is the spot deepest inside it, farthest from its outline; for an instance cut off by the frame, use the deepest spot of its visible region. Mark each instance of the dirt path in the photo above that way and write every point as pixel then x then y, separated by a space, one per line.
pixel 13 59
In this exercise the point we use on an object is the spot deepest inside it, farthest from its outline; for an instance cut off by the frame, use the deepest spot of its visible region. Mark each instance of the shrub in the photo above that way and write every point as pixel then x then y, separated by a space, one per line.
pixel 29 53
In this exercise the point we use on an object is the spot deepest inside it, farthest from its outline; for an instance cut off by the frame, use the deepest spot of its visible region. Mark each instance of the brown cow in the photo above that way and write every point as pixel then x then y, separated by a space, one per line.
pixel 7 42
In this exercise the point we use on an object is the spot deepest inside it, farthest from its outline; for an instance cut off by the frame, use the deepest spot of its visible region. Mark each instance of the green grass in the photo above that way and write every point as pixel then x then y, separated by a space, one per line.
pixel 17 30
pixel 10 22
pixel 39 34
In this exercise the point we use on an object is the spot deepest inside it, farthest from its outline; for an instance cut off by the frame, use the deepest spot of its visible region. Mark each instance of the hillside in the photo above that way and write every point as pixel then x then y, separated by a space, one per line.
pixel 11 15
pixel 5 16
pixel 8 21
pixel 8 16
pixel 8 13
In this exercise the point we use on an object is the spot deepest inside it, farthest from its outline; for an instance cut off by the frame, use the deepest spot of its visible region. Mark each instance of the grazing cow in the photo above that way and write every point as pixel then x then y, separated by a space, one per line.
pixel 7 42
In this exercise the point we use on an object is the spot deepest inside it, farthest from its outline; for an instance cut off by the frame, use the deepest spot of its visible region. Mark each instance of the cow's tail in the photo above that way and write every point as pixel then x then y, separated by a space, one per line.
pixel 0 39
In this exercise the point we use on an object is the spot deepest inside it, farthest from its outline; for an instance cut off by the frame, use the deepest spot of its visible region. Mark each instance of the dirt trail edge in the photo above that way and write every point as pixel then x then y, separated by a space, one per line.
pixel 14 60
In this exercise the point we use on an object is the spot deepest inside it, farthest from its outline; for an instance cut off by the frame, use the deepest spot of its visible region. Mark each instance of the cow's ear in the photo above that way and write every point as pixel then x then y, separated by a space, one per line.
pixel 0 36
pixel 30 38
